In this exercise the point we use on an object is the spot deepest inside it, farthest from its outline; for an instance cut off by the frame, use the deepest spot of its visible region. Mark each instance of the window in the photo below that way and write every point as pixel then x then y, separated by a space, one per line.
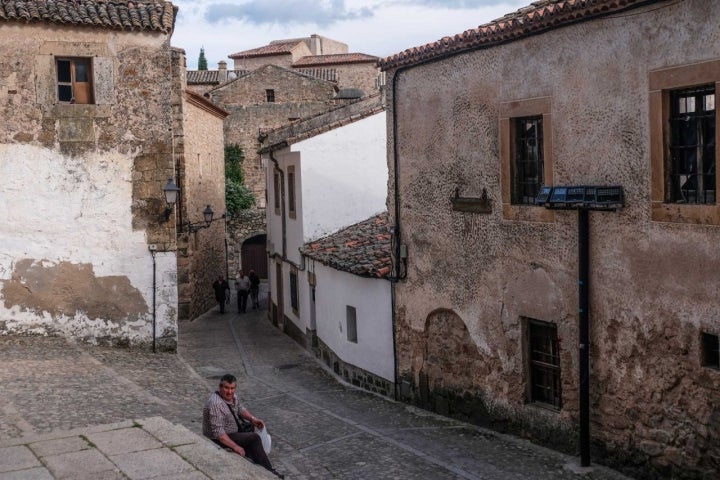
pixel 525 157
pixel 291 192
pixel 527 166
pixel 684 144
pixel 691 168
pixel 270 95
pixel 74 80
pixel 351 323
pixel 293 291
pixel 276 191
pixel 710 350
pixel 544 356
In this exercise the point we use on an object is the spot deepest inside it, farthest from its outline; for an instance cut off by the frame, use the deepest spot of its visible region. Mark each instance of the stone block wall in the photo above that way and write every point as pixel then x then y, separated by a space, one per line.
pixel 84 186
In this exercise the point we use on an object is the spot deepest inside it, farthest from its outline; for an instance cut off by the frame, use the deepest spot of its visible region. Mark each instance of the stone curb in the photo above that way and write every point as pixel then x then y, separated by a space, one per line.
pixel 149 448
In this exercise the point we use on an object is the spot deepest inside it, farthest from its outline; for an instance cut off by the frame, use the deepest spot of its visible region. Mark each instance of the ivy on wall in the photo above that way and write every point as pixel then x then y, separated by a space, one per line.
pixel 237 195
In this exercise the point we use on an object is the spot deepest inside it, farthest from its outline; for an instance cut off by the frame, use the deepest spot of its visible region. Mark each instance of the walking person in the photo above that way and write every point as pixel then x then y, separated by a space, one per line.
pixel 223 418
pixel 242 283
pixel 221 286
pixel 254 288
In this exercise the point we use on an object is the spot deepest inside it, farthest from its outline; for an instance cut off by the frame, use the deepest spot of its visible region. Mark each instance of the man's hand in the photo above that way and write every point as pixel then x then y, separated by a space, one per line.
pixel 240 451
pixel 257 423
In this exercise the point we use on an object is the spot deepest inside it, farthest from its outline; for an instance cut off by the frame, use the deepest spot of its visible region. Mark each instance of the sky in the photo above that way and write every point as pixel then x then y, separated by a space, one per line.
pixel 375 27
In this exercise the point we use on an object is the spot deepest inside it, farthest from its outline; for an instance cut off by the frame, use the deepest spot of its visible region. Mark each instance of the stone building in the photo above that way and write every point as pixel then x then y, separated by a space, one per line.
pixel 285 53
pixel 93 127
pixel 349 70
pixel 200 81
pixel 264 99
pixel 564 93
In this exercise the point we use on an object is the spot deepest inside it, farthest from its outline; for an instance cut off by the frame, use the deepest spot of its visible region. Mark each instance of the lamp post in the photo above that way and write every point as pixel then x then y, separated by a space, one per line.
pixel 583 199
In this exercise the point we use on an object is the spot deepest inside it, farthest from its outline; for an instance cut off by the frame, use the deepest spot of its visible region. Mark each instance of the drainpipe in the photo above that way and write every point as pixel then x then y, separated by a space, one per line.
pixel 584 333
pixel 154 314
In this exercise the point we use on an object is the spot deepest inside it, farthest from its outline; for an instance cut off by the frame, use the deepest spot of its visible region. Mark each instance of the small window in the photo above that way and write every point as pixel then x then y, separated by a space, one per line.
pixel 691 166
pixel 293 291
pixel 276 191
pixel 291 192
pixel 270 95
pixel 711 350
pixel 527 165
pixel 74 80
pixel 544 356
pixel 351 324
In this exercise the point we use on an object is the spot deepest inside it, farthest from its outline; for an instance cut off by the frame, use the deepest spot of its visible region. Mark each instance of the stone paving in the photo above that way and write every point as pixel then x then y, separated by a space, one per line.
pixel 321 428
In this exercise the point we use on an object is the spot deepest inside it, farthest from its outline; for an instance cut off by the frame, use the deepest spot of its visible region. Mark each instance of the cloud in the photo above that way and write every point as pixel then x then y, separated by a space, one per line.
pixel 278 12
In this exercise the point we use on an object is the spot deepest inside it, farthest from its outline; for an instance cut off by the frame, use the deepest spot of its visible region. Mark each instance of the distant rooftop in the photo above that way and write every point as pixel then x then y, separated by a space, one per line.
pixel 211 77
pixel 267 50
pixel 340 58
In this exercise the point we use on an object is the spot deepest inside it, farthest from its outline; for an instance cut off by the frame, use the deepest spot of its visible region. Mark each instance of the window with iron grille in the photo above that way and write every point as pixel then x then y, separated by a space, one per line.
pixel 270 95
pixel 544 357
pixel 74 80
pixel 691 169
pixel 527 165
pixel 710 350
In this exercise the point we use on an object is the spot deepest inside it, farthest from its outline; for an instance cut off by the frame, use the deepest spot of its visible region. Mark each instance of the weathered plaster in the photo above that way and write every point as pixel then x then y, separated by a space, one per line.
pixel 653 284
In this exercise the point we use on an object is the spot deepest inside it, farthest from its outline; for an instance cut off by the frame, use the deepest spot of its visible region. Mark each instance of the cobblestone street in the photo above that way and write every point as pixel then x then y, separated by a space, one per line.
pixel 321 429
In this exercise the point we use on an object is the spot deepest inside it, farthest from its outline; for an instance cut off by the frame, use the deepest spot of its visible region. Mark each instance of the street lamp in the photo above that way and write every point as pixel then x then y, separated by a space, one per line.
pixel 583 199
pixel 171 197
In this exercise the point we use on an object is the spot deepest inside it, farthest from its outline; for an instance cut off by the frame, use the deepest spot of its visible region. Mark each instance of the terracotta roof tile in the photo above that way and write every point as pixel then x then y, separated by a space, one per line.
pixel 153 15
pixel 271 49
pixel 339 58
pixel 536 17
pixel 362 249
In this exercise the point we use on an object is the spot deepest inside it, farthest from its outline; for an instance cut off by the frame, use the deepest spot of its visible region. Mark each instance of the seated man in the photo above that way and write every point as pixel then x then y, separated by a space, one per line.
pixel 222 422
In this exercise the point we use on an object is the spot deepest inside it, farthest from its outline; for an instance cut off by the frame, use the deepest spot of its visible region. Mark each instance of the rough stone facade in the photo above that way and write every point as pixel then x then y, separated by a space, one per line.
pixel 83 185
pixel 474 281
pixel 362 75
pixel 295 96
pixel 241 227
pixel 201 178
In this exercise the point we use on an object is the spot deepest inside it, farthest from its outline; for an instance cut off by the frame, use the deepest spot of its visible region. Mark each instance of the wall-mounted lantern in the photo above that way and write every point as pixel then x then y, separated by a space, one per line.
pixel 171 197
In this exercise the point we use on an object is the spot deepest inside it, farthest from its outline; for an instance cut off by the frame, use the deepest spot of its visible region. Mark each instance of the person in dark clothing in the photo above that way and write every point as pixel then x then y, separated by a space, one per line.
pixel 254 288
pixel 221 286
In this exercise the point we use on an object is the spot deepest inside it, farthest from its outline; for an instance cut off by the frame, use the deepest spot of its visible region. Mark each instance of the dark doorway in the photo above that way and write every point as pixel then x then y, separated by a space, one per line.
pixel 254 256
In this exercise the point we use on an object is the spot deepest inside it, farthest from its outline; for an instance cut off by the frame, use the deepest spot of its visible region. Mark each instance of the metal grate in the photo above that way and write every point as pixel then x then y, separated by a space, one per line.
pixel 691 177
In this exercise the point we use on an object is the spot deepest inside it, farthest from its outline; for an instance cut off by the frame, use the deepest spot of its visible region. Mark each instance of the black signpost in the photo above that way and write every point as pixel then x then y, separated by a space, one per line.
pixel 583 199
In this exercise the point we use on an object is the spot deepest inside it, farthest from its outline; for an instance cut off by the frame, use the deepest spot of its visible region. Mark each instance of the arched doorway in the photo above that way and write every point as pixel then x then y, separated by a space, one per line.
pixel 253 255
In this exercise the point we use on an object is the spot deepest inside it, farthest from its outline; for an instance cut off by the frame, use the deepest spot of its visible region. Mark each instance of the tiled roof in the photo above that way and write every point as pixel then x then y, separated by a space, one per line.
pixel 362 249
pixel 210 77
pixel 338 58
pixel 537 17
pixel 271 49
pixel 154 15
pixel 329 74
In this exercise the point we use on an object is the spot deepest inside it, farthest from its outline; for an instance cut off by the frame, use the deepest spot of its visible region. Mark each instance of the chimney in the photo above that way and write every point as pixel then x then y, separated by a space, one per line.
pixel 222 71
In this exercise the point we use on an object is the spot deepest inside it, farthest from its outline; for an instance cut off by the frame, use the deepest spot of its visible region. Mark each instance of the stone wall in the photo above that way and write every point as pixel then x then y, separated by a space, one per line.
pixel 655 410
pixel 240 227
pixel 83 188
pixel 201 253
pixel 296 96
pixel 358 75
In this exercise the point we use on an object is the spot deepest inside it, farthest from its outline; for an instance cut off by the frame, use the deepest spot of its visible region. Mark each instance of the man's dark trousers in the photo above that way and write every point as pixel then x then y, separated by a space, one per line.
pixel 242 300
